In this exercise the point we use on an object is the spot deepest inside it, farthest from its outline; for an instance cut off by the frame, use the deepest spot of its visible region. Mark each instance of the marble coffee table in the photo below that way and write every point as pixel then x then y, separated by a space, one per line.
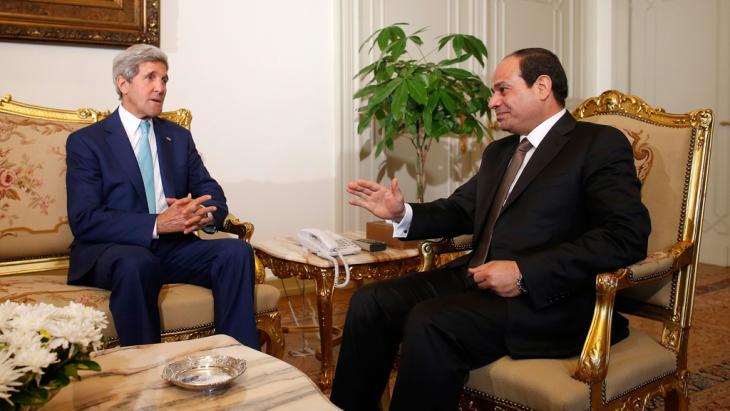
pixel 130 380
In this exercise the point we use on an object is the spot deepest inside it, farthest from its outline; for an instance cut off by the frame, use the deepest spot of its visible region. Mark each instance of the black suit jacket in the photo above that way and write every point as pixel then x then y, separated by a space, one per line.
pixel 106 198
pixel 575 212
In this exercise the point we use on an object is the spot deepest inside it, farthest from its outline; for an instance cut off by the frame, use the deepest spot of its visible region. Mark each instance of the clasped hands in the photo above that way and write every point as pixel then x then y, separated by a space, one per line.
pixel 500 276
pixel 185 215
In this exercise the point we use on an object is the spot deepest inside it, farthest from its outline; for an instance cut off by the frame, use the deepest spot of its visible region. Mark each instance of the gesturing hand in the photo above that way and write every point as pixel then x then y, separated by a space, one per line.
pixel 184 215
pixel 500 276
pixel 376 198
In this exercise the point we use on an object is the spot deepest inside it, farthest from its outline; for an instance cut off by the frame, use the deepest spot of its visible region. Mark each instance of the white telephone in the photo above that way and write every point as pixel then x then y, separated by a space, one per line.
pixel 327 245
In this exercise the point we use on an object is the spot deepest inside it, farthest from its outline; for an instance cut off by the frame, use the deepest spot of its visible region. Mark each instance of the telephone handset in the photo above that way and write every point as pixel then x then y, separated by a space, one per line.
pixel 327 245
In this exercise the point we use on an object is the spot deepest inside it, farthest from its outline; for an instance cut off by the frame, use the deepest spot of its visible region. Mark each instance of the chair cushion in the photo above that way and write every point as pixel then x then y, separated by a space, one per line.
pixel 182 306
pixel 547 384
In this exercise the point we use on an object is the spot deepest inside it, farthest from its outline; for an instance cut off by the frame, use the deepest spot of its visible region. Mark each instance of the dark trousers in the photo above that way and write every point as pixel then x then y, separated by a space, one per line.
pixel 444 326
pixel 136 274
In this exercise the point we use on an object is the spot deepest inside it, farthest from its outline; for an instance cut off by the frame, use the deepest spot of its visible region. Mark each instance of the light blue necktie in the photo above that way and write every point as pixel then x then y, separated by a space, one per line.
pixel 145 166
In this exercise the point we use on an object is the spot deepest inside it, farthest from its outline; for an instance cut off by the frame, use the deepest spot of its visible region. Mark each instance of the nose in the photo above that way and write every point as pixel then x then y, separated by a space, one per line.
pixel 160 86
pixel 494 101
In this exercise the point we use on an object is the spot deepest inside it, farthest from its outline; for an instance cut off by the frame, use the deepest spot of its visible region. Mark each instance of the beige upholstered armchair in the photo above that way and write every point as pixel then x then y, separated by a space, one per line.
pixel 671 153
pixel 35 235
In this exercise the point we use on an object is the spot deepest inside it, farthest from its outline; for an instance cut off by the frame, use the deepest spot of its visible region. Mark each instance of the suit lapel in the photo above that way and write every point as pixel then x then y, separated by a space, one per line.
pixel 166 156
pixel 124 153
pixel 494 165
pixel 546 151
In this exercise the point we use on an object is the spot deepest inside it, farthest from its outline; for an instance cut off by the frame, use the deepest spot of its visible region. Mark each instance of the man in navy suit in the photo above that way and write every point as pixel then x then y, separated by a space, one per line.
pixel 137 188
pixel 551 206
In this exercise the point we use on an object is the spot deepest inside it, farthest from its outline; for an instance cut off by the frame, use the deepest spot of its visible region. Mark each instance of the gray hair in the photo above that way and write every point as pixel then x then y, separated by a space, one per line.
pixel 126 63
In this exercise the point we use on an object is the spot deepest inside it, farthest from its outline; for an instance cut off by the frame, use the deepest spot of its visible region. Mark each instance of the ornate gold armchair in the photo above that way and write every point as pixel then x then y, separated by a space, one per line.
pixel 671 153
pixel 35 235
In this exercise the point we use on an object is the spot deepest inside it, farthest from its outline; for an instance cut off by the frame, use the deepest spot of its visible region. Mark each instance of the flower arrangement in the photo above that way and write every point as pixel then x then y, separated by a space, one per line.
pixel 42 347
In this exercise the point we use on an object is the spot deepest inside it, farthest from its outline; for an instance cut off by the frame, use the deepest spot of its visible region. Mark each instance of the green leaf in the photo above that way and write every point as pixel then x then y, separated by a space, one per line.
pixel 379 147
pixel 384 92
pixel 449 62
pixel 457 73
pixel 417 90
pixel 389 144
pixel 364 122
pixel 366 70
pixel 365 91
pixel 400 98
pixel 89 365
pixel 458 45
pixel 448 101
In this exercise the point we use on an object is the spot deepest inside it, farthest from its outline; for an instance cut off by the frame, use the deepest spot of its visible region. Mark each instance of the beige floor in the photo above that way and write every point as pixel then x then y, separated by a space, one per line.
pixel 709 351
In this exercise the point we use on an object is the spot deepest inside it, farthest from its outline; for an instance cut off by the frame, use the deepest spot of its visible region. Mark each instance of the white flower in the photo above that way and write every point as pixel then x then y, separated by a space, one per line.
pixel 32 337
pixel 9 375
pixel 76 324
pixel 28 350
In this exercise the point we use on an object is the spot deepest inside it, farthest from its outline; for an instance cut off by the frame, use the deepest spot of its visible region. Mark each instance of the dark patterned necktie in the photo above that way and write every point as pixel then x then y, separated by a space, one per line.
pixel 479 256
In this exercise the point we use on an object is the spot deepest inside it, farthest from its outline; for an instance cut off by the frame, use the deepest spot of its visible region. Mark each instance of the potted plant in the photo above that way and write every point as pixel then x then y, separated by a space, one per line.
pixel 421 100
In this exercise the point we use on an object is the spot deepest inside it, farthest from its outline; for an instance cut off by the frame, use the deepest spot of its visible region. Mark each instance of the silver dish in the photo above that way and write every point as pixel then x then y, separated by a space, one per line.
pixel 205 372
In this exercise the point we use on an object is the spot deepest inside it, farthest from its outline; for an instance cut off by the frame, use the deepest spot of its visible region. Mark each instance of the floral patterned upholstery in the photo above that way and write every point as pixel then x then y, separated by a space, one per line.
pixel 33 218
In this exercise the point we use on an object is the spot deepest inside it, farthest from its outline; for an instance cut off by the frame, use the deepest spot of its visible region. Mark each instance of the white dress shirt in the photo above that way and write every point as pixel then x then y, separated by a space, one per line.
pixel 131 127
pixel 400 228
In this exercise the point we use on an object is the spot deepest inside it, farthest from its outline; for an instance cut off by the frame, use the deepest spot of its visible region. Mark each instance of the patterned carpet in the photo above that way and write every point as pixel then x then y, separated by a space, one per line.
pixel 709 349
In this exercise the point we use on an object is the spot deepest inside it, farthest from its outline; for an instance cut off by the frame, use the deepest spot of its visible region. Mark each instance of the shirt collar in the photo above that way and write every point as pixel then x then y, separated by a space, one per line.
pixel 538 133
pixel 129 121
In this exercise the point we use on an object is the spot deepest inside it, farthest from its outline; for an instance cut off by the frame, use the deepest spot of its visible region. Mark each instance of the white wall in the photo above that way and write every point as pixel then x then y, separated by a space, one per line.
pixel 259 79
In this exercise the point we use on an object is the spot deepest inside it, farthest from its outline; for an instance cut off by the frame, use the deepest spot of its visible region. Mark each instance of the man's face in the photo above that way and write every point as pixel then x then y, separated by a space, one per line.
pixel 518 107
pixel 144 94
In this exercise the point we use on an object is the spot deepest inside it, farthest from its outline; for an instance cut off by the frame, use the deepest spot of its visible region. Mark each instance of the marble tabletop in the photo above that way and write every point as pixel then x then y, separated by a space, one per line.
pixel 288 248
pixel 130 380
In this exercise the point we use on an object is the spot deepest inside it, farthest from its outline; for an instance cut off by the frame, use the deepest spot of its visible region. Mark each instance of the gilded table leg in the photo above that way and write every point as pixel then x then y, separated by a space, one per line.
pixel 324 286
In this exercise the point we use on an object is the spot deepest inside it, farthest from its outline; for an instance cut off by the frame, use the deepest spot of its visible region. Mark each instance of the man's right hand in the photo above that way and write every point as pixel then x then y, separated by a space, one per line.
pixel 184 215
pixel 378 199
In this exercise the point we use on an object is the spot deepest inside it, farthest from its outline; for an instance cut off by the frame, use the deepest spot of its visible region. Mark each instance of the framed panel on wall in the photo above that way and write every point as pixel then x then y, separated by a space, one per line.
pixel 105 22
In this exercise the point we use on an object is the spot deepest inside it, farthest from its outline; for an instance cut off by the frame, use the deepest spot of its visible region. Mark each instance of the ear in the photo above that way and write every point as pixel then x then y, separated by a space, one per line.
pixel 122 84
pixel 543 86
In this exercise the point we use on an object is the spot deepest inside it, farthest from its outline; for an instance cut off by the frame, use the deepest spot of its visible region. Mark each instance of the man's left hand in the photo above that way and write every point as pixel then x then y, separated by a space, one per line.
pixel 500 276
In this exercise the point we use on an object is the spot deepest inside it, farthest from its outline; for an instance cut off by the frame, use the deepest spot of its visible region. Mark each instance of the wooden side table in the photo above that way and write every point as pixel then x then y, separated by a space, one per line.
pixel 130 378
pixel 286 258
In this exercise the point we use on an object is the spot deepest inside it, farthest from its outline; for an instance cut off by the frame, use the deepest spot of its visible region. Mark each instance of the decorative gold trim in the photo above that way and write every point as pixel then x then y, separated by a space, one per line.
pixel 181 116
pixel 33 265
pixel 82 115
pixel 270 325
pixel 616 102
pixel 87 23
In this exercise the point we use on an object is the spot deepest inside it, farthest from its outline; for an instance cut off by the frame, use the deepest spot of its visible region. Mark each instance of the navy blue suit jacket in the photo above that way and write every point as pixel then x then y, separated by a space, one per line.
pixel 106 197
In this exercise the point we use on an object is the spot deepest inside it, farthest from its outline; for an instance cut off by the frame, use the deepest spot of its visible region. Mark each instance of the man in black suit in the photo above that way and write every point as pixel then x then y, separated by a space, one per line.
pixel 552 206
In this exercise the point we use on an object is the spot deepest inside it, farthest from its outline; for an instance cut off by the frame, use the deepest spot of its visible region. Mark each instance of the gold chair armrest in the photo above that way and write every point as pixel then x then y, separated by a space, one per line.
pixel 244 230
pixel 429 250
pixel 593 363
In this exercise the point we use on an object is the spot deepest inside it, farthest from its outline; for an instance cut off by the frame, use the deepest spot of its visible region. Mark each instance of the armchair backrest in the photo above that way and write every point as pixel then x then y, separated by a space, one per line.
pixel 34 230
pixel 671 153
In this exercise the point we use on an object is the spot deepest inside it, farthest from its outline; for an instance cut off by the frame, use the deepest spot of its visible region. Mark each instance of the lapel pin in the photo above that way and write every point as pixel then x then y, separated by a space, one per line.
pixel 168 139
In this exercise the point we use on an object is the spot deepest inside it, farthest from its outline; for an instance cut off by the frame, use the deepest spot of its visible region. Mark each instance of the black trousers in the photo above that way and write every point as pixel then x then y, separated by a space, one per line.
pixel 135 276
pixel 444 326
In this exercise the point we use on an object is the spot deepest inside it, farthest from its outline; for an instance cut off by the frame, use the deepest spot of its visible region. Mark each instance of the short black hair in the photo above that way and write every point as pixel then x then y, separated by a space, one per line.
pixel 535 62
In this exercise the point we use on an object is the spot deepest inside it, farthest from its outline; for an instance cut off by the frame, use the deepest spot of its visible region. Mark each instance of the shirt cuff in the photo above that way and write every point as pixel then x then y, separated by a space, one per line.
pixel 400 228
pixel 154 231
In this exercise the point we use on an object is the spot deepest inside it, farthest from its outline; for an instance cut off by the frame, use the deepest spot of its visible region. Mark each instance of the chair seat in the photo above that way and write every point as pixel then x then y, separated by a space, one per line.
pixel 182 306
pixel 547 384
